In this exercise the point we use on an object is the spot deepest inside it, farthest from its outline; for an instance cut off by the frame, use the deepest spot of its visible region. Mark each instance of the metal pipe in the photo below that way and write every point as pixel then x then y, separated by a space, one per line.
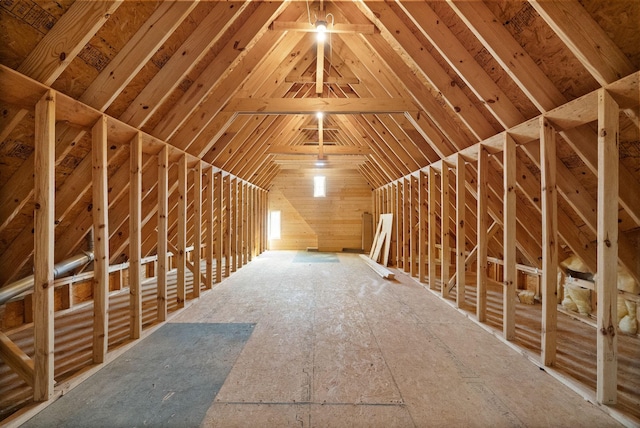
pixel 60 269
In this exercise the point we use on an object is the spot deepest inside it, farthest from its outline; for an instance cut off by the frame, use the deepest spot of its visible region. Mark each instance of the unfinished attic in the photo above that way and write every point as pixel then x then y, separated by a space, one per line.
pixel 204 171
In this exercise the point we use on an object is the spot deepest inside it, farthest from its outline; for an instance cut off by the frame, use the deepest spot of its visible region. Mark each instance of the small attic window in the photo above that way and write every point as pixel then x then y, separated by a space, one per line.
pixel 319 186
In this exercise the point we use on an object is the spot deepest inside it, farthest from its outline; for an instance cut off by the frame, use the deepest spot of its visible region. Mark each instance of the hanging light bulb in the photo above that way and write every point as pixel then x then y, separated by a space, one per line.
pixel 321 31
pixel 319 115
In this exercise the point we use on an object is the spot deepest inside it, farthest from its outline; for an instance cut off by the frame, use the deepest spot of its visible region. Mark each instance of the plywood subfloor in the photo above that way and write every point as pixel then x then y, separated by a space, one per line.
pixel 336 345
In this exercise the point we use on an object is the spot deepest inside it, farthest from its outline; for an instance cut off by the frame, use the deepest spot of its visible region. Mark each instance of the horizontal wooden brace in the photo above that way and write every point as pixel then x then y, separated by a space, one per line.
pixel 315 105
pixel 327 150
pixel 335 28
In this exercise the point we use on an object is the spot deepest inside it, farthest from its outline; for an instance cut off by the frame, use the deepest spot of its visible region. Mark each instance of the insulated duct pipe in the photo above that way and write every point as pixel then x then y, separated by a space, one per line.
pixel 60 269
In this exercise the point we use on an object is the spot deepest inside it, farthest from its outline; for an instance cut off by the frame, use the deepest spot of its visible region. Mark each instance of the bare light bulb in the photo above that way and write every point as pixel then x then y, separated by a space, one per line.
pixel 321 28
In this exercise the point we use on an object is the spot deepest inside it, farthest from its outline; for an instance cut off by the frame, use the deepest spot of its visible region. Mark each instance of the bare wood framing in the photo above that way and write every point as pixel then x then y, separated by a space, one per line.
pixel 314 105
pixel 423 217
pixel 219 226
pixel 101 239
pixel 44 217
pixel 406 224
pixel 135 237
pixel 460 230
pixel 445 252
pixel 509 239
pixel 607 358
pixel 163 214
pixel 227 226
pixel 549 240
pixel 209 219
pixel 431 194
pixel 17 359
pixel 197 227
pixel 481 230
pixel 182 230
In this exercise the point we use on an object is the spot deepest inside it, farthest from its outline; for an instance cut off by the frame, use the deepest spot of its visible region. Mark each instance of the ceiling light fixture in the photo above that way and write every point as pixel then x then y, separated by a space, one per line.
pixel 319 115
pixel 321 31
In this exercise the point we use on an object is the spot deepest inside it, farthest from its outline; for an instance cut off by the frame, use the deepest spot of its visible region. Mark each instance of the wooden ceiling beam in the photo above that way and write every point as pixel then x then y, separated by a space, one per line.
pixel 203 129
pixel 410 49
pixel 372 87
pixel 460 60
pixel 226 62
pixel 212 28
pixel 58 48
pixel 258 159
pixel 330 80
pixel 314 105
pixel 585 39
pixel 267 81
pixel 105 88
pixel 313 150
pixel 311 28
pixel 540 90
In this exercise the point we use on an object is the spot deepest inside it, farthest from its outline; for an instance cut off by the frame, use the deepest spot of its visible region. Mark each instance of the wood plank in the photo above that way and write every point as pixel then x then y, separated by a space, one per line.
pixel 163 216
pixel 135 238
pixel 314 105
pixel 481 230
pixel 460 230
pixel 100 192
pixel 549 241
pixel 607 345
pixel 445 251
pixel 227 224
pixel 197 227
pixel 378 268
pixel 44 228
pixel 181 247
pixel 509 239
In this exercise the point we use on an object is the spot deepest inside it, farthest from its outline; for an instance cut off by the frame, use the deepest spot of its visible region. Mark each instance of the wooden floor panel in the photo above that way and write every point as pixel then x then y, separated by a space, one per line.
pixel 336 345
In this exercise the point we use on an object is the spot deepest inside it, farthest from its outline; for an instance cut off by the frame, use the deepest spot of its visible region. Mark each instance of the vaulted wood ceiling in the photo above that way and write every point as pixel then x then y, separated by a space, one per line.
pixel 403 84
